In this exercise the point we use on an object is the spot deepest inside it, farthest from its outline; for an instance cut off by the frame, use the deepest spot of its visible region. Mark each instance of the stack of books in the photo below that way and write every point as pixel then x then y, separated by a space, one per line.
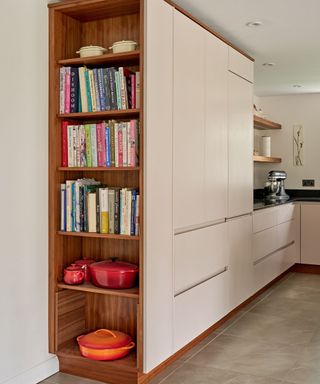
pixel 105 144
pixel 98 89
pixel 89 206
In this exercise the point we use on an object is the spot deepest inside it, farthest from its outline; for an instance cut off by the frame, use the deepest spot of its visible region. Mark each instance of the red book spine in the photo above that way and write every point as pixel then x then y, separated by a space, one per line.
pixel 120 146
pixel 67 90
pixel 64 144
pixel 133 91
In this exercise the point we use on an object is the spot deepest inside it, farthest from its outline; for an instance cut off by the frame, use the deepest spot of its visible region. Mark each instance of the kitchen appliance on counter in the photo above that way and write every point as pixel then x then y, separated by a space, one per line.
pixel 274 187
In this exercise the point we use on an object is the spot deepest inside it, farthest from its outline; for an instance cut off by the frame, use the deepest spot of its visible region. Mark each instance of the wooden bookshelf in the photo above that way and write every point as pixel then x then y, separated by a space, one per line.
pixel 265 159
pixel 132 293
pixel 75 310
pixel 261 123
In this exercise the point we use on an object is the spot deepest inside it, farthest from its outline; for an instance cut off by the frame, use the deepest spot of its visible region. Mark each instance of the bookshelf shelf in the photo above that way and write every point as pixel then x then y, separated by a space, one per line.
pixel 99 235
pixel 263 124
pixel 132 293
pixel 100 169
pixel 265 159
pixel 124 114
pixel 110 58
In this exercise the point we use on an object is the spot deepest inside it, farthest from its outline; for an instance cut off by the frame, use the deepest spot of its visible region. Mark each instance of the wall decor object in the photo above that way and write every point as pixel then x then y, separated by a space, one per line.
pixel 298 145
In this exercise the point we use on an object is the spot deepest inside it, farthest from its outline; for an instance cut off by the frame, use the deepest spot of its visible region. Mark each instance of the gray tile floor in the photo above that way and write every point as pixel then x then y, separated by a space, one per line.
pixel 274 340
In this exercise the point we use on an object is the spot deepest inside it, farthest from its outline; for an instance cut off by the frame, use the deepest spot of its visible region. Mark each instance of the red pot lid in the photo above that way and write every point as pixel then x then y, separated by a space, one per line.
pixel 84 262
pixel 73 267
pixel 104 339
pixel 114 266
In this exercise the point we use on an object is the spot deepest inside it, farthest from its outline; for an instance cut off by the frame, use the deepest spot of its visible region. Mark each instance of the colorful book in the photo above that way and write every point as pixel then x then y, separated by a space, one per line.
pixel 94 150
pixel 117 211
pixel 74 90
pixel 91 212
pixel 133 213
pixel 137 215
pixel 118 90
pixel 116 146
pixel 108 150
pixel 137 90
pixel 87 129
pixel 63 207
pixel 133 90
pixel 111 207
pixel 112 143
pixel 96 88
pixel 92 90
pixel 69 205
pixel 67 90
pixel 101 144
pixel 112 86
pixel 107 87
pixel 83 89
pixel 120 145
pixel 62 88
pixel 124 144
pixel 70 145
pixel 64 144
pixel 83 157
pixel 87 88
pixel 104 210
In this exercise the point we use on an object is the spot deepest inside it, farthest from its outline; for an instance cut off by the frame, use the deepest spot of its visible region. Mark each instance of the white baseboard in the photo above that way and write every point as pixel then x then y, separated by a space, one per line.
pixel 37 373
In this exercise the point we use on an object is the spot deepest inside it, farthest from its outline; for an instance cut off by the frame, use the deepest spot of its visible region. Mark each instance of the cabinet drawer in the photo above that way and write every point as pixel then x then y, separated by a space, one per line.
pixel 198 255
pixel 263 219
pixel 240 65
pixel 264 243
pixel 199 308
pixel 285 233
pixel 285 213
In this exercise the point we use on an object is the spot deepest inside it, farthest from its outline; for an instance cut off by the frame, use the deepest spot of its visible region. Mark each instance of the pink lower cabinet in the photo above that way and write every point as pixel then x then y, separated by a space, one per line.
pixel 310 233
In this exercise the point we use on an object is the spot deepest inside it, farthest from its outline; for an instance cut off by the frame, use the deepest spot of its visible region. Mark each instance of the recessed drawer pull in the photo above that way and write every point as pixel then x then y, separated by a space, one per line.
pixel 272 253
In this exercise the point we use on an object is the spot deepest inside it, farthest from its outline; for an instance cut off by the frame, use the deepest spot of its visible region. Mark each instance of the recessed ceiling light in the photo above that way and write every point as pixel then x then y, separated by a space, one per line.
pixel 268 64
pixel 254 24
pixel 297 86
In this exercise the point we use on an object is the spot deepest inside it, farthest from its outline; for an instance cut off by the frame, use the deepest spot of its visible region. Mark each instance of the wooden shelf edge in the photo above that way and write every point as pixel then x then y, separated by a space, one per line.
pixel 99 235
pixel 120 113
pixel 107 58
pixel 261 123
pixel 265 159
pixel 103 169
pixel 132 293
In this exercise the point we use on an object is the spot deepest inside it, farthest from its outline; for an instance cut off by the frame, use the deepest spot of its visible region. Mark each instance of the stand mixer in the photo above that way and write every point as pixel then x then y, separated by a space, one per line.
pixel 275 186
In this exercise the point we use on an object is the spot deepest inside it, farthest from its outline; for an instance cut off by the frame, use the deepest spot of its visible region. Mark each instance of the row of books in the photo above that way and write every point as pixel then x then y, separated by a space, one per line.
pixel 89 206
pixel 98 89
pixel 106 144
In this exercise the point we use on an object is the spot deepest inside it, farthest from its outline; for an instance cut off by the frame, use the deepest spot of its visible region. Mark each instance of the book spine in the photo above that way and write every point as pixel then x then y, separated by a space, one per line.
pixel 111 202
pixel 112 143
pixel 118 90
pixel 78 149
pixel 133 91
pixel 94 152
pixel 82 210
pixel 137 140
pixel 70 145
pixel 73 207
pixel 107 87
pixel 113 88
pixel 128 212
pixel 87 129
pixel 108 159
pixel 83 161
pixel 98 209
pixel 92 90
pixel 116 146
pixel 133 213
pixel 64 144
pixel 100 145
pixel 63 207
pixel 120 145
pixel 86 75
pixel 67 90
pixel 91 210
pixel 124 145
pixel 137 215
pixel 85 208
pixel 62 87
pixel 128 79
pixel 132 144
pixel 137 90
pixel 104 210
pixel 122 85
pixel 68 206
pixel 117 211
pixel 96 88
pixel 102 90
pixel 74 90
pixel 74 145
pixel 121 211
pixel 83 89
pixel 77 206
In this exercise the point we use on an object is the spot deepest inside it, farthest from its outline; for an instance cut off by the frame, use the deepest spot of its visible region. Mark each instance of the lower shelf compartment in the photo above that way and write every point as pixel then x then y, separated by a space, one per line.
pixel 122 371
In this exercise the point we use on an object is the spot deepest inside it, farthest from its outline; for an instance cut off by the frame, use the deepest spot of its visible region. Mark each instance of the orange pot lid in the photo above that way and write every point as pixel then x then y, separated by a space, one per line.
pixel 104 339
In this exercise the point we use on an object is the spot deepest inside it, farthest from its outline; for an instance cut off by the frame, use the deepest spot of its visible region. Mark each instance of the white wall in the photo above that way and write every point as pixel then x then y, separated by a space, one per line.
pixel 290 110
pixel 23 194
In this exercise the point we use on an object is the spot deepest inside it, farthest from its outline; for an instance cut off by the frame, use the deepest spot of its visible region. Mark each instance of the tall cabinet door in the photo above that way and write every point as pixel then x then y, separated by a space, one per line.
pixel 158 297
pixel 216 129
pixel 188 121
pixel 240 195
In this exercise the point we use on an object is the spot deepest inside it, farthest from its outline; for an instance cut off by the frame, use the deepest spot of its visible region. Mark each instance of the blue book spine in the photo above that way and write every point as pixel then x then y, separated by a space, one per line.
pixel 108 152
pixel 133 213
pixel 96 88
pixel 107 87
pixel 102 90
pixel 113 89
pixel 86 74
pixel 73 207
pixel 74 90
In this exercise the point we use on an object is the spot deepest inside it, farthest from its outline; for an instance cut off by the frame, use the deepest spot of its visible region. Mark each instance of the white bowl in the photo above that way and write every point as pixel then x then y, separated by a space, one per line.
pixel 91 50
pixel 123 46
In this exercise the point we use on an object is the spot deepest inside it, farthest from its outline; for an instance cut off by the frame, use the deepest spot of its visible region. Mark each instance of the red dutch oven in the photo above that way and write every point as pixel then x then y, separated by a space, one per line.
pixel 113 274
pixel 84 264
pixel 104 344
pixel 73 275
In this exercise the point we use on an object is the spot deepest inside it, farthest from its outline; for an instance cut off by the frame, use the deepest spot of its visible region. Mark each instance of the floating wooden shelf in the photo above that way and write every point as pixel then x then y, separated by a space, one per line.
pixel 121 113
pixel 120 371
pixel 265 159
pixel 103 169
pixel 132 293
pixel 110 58
pixel 261 123
pixel 99 235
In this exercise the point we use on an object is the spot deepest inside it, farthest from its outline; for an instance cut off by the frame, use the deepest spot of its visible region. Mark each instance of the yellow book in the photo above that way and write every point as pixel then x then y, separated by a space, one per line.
pixel 104 210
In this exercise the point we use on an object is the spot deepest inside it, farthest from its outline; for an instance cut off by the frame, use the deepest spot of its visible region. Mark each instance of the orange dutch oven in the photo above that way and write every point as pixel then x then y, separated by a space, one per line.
pixel 104 344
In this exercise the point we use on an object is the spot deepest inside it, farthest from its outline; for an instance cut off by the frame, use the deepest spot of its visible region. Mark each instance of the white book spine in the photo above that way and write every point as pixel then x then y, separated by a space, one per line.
pixel 123 211
pixel 70 145
pixel 63 207
pixel 125 144
pixel 62 88
pixel 128 213
pixel 116 144
pixel 74 145
pixel 137 90
pixel 77 198
pixel 92 214
pixel 69 205
pixel 94 151
pixel 83 161
pixel 111 198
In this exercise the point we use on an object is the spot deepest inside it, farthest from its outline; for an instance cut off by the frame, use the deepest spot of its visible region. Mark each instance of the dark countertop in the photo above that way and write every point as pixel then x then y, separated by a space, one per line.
pixel 296 195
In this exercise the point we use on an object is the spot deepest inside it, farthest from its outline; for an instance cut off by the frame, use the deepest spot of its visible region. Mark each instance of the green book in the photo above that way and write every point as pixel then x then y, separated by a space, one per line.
pixel 86 74
pixel 87 130
pixel 118 89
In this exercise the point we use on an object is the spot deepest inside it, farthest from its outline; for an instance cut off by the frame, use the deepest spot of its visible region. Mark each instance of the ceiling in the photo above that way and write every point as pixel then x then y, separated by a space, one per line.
pixel 289 37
